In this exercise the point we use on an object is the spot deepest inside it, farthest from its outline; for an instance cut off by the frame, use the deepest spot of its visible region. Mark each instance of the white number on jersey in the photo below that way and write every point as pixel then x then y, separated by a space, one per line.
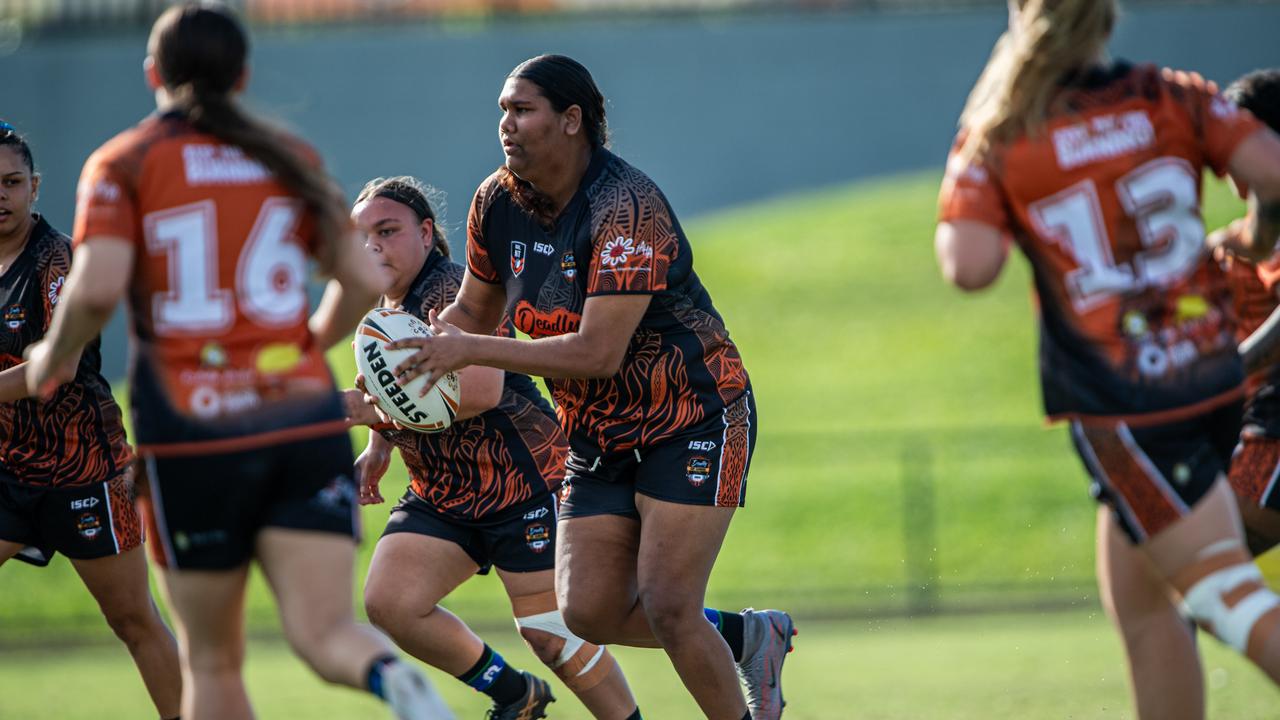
pixel 270 272
pixel 1161 196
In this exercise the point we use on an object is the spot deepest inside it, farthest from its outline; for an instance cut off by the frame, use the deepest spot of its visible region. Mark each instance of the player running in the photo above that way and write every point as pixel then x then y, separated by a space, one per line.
pixel 206 219
pixel 1257 458
pixel 65 469
pixel 1093 167
pixel 583 252
pixel 481 496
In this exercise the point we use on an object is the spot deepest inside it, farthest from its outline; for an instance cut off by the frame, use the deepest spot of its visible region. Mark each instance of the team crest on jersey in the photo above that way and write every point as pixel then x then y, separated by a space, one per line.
pixel 88 526
pixel 15 316
pixel 537 536
pixel 517 257
pixel 698 470
pixel 568 268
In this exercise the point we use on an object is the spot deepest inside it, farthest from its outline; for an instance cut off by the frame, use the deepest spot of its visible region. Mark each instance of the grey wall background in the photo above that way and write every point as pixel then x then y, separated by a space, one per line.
pixel 719 111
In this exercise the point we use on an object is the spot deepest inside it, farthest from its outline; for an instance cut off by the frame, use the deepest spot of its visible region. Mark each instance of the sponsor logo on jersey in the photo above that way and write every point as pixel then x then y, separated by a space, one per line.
pixel 537 323
pixel 221 165
pixel 535 514
pixel 568 268
pixel 88 525
pixel 84 503
pixel 517 257
pixel 15 316
pixel 537 536
pixel 55 289
pixel 697 470
pixel 1102 138
pixel 703 445
pixel 543 248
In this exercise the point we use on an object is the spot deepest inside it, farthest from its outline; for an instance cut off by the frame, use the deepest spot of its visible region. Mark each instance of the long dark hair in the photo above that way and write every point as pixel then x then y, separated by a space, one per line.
pixel 564 82
pixel 413 194
pixel 199 49
pixel 1259 93
pixel 10 137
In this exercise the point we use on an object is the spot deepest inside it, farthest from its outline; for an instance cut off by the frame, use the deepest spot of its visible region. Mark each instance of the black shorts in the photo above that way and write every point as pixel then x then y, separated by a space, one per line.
pixel 520 539
pixel 206 510
pixel 84 522
pixel 1152 476
pixel 703 465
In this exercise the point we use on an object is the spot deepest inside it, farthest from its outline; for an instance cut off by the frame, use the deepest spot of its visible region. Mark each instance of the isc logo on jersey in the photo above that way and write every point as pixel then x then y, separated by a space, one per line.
pixel 431 413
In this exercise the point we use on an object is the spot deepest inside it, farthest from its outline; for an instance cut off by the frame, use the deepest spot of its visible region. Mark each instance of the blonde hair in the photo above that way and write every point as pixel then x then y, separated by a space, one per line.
pixel 1046 39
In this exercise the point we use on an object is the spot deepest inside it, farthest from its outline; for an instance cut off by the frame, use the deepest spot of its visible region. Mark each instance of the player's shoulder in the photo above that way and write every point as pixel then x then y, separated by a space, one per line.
pixel 614 184
pixel 490 191
pixel 130 146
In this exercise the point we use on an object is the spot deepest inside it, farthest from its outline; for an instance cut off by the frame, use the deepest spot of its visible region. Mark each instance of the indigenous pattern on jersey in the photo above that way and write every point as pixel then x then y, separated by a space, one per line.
pixel 222 359
pixel 499 459
pixel 1253 287
pixel 76 437
pixel 1105 203
pixel 617 235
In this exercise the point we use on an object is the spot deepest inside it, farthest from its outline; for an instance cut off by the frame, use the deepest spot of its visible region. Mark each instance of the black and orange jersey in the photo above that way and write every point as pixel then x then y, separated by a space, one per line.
pixel 499 459
pixel 1253 288
pixel 222 357
pixel 1135 316
pixel 76 437
pixel 618 235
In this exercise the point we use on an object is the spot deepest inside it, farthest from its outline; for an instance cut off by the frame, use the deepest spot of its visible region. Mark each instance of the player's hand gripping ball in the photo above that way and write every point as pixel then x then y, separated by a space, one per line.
pixel 430 413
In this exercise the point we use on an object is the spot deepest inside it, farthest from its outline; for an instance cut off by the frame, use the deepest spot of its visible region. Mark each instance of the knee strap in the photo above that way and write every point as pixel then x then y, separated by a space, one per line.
pixel 580 664
pixel 1230 601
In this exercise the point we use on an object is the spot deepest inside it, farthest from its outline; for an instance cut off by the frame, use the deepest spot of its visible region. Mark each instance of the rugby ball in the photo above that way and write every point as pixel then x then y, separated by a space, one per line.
pixel 431 413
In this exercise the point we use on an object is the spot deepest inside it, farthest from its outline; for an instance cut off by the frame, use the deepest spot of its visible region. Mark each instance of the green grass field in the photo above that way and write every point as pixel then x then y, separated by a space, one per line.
pixel 874 380
pixel 1029 667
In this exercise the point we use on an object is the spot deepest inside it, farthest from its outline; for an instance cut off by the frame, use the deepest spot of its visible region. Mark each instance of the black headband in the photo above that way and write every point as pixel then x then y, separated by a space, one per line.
pixel 408 196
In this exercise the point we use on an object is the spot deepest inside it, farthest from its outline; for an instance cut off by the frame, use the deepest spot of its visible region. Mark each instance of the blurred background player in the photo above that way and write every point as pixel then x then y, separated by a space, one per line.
pixel 481 495
pixel 65 468
pixel 1094 166
pixel 206 219
pixel 584 253
pixel 1257 458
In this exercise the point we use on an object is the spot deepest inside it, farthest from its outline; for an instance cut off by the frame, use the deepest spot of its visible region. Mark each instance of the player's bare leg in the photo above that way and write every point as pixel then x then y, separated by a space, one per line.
pixel 1164 665
pixel 408 575
pixel 208 610
pixel 1203 556
pixel 596 583
pixel 9 549
pixel 311 575
pixel 119 584
pixel 589 671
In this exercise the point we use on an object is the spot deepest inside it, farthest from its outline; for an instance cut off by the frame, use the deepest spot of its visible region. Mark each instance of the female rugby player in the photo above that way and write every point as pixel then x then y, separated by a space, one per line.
pixel 66 479
pixel 206 219
pixel 584 253
pixel 1093 167
pixel 481 496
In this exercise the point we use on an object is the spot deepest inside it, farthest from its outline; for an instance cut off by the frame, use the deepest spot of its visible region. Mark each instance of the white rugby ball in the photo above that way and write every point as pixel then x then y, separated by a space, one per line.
pixel 431 413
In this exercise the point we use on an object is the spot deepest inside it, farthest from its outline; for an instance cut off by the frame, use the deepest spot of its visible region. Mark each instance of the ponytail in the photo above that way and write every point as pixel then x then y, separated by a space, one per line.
pixel 1047 39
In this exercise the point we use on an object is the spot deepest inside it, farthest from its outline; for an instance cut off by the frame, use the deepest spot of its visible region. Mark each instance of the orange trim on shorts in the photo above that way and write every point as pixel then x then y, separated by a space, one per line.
pixel 535 604
pixel 248 442
pixel 1134 480
pixel 735 452
pixel 1188 576
pixel 1160 417
pixel 126 526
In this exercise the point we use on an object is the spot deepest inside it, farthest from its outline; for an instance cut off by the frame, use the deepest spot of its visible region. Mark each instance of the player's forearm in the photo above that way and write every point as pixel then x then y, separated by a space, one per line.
pixel 77 321
pixel 470 319
pixel 338 313
pixel 1262 227
pixel 562 356
pixel 1262 347
pixel 13 383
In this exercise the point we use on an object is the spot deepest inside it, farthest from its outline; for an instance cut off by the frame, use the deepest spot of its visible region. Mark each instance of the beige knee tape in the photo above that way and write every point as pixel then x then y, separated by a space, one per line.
pixel 580 664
